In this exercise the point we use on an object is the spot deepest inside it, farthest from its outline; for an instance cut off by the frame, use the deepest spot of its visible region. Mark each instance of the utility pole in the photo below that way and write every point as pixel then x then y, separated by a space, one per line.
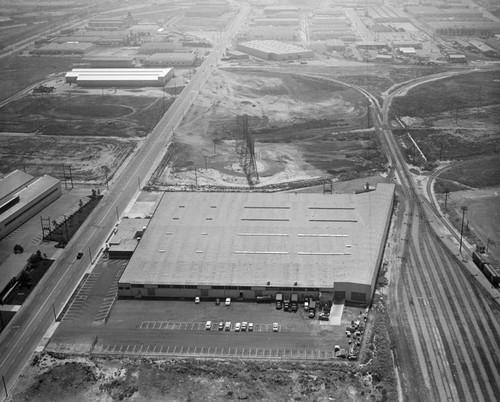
pixel 463 208
pixel 66 227
pixel 196 177
pixel 446 192
pixel 5 386
pixel 106 173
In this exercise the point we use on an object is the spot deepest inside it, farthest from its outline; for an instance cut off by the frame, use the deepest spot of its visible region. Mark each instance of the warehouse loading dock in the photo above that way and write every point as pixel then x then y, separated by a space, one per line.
pixel 244 245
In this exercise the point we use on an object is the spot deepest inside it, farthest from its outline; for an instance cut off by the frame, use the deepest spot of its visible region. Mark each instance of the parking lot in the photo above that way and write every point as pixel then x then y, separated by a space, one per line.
pixel 179 328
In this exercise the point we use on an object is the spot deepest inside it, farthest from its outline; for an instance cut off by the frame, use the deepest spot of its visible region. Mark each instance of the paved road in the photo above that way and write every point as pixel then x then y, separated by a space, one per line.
pixel 25 331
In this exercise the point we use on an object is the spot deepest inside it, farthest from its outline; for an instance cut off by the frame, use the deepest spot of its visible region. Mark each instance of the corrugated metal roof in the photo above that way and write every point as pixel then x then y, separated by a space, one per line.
pixel 249 239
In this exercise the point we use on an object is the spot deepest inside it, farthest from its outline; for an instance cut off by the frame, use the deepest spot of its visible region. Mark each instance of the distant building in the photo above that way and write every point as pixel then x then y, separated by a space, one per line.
pixel 110 61
pixel 171 60
pixel 111 24
pixel 64 48
pixel 282 33
pixel 123 77
pixel 22 196
pixel 274 50
pixel 456 58
pixel 160 47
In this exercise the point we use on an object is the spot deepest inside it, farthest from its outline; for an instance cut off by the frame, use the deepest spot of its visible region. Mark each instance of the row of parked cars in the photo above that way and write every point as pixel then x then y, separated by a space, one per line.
pixel 310 306
pixel 239 326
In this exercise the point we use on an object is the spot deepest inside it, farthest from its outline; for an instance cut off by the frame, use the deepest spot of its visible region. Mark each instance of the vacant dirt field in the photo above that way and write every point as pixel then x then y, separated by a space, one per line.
pixel 45 154
pixel 19 72
pixel 55 378
pixel 83 115
pixel 302 128
pixel 460 121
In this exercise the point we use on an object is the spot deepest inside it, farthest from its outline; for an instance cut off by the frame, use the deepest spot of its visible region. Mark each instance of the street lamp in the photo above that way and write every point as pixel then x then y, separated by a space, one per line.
pixel 463 208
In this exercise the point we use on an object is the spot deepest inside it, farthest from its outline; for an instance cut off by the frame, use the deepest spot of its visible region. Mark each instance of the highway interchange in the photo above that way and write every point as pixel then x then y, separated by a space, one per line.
pixel 446 328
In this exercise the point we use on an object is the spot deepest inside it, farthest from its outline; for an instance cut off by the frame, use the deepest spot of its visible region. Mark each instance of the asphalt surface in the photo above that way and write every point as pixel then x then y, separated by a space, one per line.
pixel 25 331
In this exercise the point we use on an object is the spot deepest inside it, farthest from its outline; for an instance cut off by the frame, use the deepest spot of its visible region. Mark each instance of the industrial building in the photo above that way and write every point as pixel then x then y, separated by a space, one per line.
pixel 281 33
pixel 124 77
pixel 64 48
pixel 171 60
pixel 125 238
pixel 274 50
pixel 160 47
pixel 243 245
pixel 22 196
pixel 110 61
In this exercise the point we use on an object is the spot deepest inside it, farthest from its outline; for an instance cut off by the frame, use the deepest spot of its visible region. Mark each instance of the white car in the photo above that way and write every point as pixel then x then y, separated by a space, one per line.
pixel 228 301
pixel 244 326
pixel 208 325
pixel 237 327
pixel 250 326
pixel 276 327
pixel 227 326
pixel 197 300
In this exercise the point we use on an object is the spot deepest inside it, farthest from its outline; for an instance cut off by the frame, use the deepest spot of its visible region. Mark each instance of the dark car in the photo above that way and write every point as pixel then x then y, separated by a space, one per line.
pixel 286 305
pixel 279 305
pixel 264 299
pixel 79 255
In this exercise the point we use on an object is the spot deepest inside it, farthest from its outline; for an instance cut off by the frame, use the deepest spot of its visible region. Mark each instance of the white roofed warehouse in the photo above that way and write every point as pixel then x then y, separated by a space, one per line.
pixel 274 50
pixel 22 196
pixel 243 245
pixel 123 77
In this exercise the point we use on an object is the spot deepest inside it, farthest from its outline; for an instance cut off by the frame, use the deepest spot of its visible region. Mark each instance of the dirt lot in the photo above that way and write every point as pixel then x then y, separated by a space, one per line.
pixel 302 128
pixel 86 129
pixel 55 378
pixel 73 113
pixel 461 121
pixel 45 154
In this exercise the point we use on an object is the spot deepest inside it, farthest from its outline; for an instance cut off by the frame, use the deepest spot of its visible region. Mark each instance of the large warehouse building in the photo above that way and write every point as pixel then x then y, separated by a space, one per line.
pixel 243 245
pixel 23 196
pixel 124 77
pixel 274 50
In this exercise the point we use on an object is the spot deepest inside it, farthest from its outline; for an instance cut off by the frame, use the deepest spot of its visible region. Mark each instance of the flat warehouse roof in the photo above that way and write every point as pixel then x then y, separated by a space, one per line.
pixel 249 239
pixel 273 46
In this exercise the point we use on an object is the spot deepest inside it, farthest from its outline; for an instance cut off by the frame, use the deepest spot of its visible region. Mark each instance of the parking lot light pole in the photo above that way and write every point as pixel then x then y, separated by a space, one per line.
pixel 463 208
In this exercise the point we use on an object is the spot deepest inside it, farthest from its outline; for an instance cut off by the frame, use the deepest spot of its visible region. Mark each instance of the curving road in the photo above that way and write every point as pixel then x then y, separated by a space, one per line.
pixel 25 331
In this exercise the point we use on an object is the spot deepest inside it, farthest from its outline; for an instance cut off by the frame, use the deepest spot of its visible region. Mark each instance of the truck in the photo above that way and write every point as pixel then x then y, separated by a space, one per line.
pixel 294 302
pixel 312 308
pixel 279 301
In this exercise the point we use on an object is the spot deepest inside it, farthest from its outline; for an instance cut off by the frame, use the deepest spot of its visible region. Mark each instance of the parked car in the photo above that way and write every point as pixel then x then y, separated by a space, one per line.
pixel 276 327
pixel 244 326
pixel 306 306
pixel 79 256
pixel 324 316
pixel 237 327
pixel 250 326
pixel 197 300
pixel 221 325
pixel 228 301
pixel 265 299
pixel 217 302
pixel 227 326
pixel 208 325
